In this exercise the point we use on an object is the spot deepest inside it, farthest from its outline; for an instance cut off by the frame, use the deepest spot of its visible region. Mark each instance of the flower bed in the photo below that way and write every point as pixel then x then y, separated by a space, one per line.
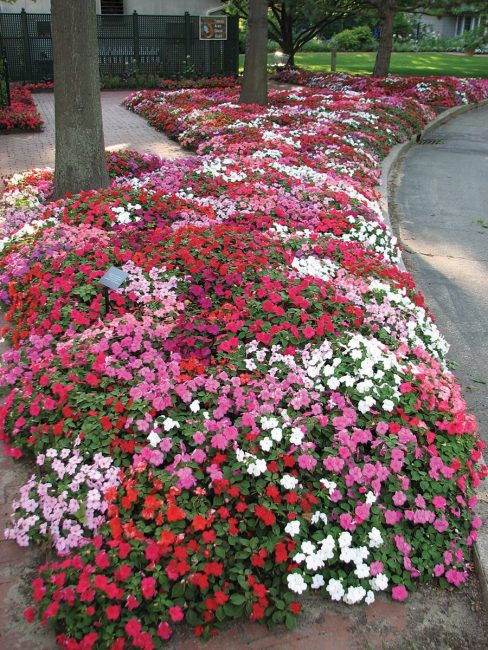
pixel 140 81
pixel 436 91
pixel 22 113
pixel 268 382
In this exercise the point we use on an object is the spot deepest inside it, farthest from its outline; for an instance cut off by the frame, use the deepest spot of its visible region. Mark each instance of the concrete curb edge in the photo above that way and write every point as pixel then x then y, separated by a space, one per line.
pixel 389 168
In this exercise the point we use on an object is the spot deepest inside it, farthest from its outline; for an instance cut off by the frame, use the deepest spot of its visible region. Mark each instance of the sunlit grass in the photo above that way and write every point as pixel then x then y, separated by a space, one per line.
pixel 402 63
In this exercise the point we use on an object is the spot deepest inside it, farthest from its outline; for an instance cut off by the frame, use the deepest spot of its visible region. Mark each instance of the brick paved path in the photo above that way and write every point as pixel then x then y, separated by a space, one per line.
pixel 122 129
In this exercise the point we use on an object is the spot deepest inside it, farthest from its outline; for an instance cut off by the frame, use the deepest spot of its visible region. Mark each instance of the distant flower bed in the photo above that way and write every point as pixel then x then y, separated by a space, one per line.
pixel 146 81
pixel 39 86
pixel 263 409
pixel 435 91
pixel 22 113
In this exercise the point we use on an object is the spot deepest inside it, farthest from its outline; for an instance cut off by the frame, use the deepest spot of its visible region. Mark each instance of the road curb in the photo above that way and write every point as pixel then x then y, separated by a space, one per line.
pixel 390 168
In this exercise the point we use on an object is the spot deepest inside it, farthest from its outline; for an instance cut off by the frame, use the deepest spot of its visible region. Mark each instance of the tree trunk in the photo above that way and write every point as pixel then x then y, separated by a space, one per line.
pixel 287 36
pixel 383 56
pixel 80 152
pixel 254 88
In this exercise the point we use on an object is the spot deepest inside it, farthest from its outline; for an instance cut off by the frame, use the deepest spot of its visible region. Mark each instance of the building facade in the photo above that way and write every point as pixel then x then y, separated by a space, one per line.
pixel 144 7
pixel 448 26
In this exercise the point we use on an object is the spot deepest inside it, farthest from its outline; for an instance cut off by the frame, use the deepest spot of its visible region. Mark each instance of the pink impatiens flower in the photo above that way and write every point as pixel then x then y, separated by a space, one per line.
pixel 399 592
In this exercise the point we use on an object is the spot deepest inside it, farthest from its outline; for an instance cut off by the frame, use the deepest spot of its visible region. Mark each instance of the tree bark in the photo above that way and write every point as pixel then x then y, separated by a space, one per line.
pixel 383 56
pixel 287 36
pixel 80 153
pixel 254 88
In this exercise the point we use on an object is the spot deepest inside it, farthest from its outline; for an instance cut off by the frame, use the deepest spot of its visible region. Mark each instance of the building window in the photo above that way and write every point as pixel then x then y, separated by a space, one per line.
pixel 467 23
pixel 112 7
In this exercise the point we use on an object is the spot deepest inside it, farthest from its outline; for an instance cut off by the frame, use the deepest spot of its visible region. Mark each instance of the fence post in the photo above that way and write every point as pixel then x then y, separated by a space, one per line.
pixel 333 60
pixel 26 40
pixel 137 42
pixel 4 79
pixel 187 44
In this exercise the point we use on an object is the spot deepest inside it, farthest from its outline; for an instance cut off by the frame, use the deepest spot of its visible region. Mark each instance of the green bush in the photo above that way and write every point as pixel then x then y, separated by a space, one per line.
pixel 358 39
pixel 315 45
pixel 432 43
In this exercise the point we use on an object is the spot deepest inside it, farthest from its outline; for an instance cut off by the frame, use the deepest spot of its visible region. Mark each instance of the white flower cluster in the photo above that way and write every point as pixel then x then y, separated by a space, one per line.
pixel 127 214
pixel 254 466
pixel 220 168
pixel 28 229
pixel 375 238
pixel 416 319
pixel 324 269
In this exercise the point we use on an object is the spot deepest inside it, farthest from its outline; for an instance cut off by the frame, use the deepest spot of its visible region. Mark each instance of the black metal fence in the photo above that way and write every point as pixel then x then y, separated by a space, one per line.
pixel 168 46
pixel 4 81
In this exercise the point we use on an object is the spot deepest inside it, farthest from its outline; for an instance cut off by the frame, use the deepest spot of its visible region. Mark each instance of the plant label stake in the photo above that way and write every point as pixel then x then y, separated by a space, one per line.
pixel 112 279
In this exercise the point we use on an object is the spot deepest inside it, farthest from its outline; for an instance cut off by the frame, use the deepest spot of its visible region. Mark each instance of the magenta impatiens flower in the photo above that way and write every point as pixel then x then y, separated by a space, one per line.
pixel 399 592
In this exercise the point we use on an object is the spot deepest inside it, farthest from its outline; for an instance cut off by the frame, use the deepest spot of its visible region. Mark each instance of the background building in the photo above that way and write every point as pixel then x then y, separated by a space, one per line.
pixel 148 7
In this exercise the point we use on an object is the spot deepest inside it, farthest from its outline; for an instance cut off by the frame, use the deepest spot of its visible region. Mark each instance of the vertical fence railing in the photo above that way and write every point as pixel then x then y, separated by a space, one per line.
pixel 4 81
pixel 168 46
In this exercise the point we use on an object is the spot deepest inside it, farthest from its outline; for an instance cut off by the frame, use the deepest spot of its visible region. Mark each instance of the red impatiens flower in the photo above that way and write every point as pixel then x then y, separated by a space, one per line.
pixel 265 515
pixel 113 612
pixel 148 586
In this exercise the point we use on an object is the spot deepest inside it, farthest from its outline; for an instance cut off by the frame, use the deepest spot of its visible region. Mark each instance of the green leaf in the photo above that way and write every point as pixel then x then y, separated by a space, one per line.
pixel 178 590
pixel 290 622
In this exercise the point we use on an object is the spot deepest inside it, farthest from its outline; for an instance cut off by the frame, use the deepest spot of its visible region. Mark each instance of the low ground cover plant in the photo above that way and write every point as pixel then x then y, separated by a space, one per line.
pixel 434 91
pixel 21 113
pixel 264 409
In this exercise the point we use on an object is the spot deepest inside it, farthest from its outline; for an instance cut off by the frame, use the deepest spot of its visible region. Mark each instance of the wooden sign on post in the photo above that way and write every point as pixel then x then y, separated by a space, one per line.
pixel 213 28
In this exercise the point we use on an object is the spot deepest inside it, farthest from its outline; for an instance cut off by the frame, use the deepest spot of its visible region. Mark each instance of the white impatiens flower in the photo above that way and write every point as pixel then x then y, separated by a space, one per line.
pixel 379 582
pixel 277 434
pixel 296 436
pixel 345 539
pixel 268 423
pixel 335 589
pixel 375 539
pixel 317 581
pixel 195 406
pixel 333 383
pixel 371 498
pixel 169 424
pixel 314 562
pixel 369 598
pixel 289 482
pixel 257 467
pixel 266 443
pixel 154 439
pixel 354 595
pixel 308 548
pixel 388 405
pixel 292 528
pixel 296 583
pixel 362 571
pixel 319 516
pixel 365 404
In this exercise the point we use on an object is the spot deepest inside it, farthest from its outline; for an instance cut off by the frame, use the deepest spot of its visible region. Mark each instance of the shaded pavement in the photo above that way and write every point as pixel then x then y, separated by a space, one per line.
pixel 122 130
pixel 441 214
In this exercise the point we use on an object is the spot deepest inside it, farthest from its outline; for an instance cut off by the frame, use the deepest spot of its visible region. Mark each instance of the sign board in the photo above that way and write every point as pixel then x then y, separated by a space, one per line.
pixel 113 278
pixel 213 28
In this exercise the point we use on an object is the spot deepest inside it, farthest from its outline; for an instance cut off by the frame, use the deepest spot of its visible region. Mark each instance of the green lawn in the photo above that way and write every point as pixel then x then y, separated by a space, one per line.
pixel 402 63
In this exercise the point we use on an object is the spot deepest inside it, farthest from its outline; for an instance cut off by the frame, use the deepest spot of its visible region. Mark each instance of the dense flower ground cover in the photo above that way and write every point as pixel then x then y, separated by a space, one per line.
pixel 436 91
pixel 163 84
pixel 21 113
pixel 264 410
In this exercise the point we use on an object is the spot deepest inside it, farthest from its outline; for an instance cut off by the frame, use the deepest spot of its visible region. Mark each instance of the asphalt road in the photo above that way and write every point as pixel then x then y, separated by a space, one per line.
pixel 441 214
